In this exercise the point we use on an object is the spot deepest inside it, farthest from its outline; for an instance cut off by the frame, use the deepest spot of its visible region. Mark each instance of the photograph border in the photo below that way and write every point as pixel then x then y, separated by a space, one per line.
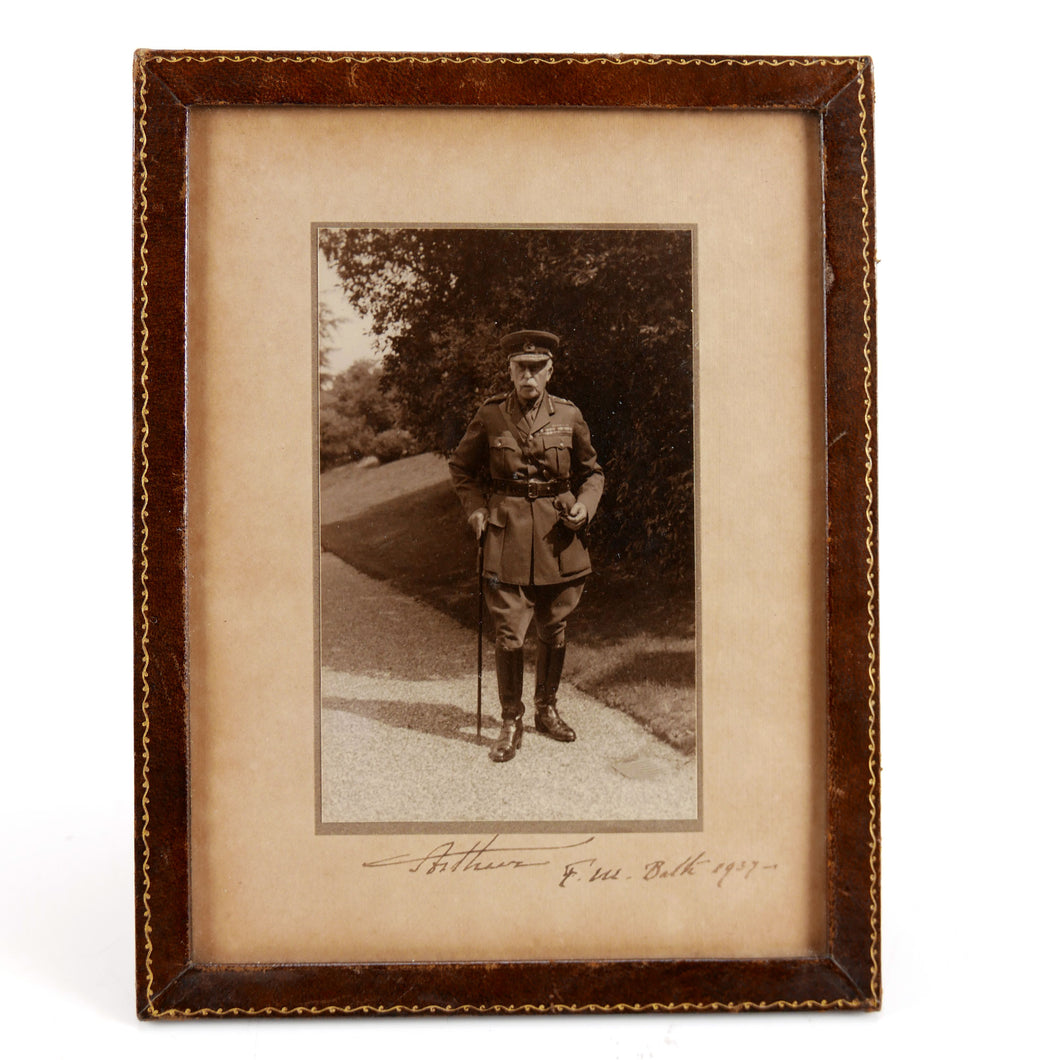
pixel 457 827
pixel 839 92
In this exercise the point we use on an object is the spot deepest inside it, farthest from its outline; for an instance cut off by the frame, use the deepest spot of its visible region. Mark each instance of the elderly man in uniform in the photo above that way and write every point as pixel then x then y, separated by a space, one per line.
pixel 527 476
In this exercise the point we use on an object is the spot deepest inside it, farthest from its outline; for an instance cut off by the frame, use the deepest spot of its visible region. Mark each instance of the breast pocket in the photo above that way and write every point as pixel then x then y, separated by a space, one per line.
pixel 504 456
pixel 557 455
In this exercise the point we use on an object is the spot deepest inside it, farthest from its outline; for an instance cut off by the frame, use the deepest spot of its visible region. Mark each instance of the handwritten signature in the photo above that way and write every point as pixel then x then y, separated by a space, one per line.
pixel 477 857
pixel 487 856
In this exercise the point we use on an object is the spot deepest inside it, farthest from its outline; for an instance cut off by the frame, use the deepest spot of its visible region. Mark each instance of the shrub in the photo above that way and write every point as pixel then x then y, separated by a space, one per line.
pixel 392 445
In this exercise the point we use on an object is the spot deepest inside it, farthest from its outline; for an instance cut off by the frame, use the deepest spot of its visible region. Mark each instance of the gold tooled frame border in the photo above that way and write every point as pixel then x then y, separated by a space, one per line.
pixel 152 1004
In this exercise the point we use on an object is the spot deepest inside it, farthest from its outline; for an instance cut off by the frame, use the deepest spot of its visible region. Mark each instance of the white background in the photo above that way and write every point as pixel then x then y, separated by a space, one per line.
pixel 967 369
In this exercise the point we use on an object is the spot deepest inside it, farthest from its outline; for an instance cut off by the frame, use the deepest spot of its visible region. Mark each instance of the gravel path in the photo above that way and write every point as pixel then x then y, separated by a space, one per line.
pixel 397 729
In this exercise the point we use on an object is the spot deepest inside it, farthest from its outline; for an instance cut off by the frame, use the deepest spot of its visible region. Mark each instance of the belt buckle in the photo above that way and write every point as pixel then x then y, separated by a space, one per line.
pixel 533 490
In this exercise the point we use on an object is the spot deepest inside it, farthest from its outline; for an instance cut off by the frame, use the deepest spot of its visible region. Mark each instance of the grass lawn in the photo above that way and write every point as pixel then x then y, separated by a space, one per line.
pixel 632 639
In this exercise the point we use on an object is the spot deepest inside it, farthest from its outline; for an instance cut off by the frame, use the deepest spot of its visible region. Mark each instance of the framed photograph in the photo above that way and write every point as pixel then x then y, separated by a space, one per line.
pixel 505 517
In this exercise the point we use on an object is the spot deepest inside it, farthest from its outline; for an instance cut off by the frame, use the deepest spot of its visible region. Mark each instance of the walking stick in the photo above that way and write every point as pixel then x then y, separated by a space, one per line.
pixel 478 727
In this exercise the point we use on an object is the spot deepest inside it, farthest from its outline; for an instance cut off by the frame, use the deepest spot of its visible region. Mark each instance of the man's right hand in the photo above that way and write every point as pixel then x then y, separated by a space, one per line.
pixel 477 522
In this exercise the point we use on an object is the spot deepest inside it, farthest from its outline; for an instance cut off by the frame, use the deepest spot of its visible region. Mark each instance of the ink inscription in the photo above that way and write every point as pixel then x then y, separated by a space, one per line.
pixel 451 856
pixel 588 870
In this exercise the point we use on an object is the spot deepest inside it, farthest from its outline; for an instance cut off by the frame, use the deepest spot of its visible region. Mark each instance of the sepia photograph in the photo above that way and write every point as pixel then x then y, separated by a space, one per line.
pixel 507 528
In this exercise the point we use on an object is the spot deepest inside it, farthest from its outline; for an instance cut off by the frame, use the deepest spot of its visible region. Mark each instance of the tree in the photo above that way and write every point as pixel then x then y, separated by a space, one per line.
pixel 621 301
pixel 327 322
pixel 357 419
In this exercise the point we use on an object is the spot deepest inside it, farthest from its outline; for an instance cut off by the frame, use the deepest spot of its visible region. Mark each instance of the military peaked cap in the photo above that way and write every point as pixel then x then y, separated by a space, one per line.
pixel 530 345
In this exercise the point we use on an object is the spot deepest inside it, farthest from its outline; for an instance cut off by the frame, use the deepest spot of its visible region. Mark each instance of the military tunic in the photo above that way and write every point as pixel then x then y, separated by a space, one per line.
pixel 503 447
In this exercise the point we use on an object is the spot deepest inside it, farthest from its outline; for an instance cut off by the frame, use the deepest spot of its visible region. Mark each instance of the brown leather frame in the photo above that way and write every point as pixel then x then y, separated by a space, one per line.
pixel 839 90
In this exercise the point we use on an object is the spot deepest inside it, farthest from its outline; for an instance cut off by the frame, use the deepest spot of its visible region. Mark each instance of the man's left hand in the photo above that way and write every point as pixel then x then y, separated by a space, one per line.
pixel 576 517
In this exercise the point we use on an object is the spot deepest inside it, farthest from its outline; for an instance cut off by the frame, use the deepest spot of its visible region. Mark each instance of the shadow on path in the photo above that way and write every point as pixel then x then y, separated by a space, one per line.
pixel 433 719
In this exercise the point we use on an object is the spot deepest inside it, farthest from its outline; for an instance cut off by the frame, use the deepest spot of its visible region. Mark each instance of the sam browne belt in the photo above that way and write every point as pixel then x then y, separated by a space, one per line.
pixel 530 489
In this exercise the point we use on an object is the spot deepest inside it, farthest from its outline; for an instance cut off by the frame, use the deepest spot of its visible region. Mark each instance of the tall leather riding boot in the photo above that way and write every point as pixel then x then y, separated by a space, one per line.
pixel 510 691
pixel 549 671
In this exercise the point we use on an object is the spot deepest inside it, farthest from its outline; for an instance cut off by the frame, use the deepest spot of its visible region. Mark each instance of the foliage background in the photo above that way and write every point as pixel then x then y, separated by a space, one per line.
pixel 621 301
pixel 359 419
